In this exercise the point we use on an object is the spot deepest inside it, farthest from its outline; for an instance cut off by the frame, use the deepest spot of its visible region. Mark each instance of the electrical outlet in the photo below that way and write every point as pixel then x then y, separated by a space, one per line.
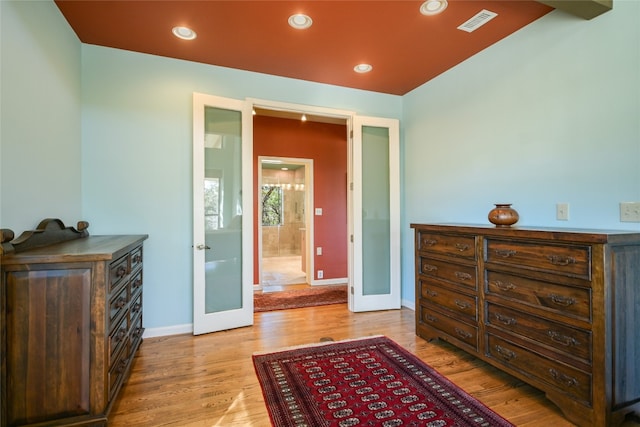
pixel 630 211
pixel 562 211
pixel 320 274
pixel 319 250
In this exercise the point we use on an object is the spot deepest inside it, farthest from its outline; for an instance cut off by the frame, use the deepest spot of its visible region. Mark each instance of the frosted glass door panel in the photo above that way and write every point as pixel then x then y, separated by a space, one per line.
pixel 223 209
pixel 375 203
pixel 375 211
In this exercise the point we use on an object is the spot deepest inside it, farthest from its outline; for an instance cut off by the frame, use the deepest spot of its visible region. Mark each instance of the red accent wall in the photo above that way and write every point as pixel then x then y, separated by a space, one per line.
pixel 326 144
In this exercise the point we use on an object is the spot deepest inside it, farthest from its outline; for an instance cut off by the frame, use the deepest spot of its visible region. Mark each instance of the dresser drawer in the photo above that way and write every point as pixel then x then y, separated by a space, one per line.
pixel 572 341
pixel 118 270
pixel 136 258
pixel 566 300
pixel 461 246
pixel 117 305
pixel 118 369
pixel 457 329
pixel 136 306
pixel 464 275
pixel 135 335
pixel 457 302
pixel 560 377
pixel 136 284
pixel 573 261
pixel 117 338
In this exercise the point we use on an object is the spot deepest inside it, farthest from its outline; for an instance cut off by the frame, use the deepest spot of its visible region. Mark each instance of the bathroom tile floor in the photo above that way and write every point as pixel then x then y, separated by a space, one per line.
pixel 282 272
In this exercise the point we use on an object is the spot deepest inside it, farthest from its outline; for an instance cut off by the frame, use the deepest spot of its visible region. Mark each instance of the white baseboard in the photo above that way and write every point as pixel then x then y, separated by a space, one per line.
pixel 168 330
pixel 410 304
pixel 338 281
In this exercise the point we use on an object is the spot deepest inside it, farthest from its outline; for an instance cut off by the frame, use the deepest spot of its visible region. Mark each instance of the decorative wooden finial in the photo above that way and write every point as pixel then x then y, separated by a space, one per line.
pixel 6 236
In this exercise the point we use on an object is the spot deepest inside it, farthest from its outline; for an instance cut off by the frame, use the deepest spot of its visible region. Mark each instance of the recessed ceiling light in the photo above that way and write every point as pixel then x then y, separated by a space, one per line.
pixel 433 7
pixel 184 33
pixel 362 68
pixel 300 21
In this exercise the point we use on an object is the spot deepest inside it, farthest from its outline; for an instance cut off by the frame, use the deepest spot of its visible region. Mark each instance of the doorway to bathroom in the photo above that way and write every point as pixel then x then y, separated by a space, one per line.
pixel 285 190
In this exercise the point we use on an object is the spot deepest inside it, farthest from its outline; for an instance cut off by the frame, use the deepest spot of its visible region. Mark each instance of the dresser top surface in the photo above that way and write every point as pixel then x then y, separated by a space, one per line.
pixel 91 248
pixel 548 233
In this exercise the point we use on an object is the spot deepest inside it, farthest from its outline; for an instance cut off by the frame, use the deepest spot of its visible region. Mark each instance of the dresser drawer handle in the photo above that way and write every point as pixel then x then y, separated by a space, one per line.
pixel 462 276
pixel 431 293
pixel 137 258
pixel 462 304
pixel 563 378
pixel 121 302
pixel 563 301
pixel 121 271
pixel 504 286
pixel 121 334
pixel 462 247
pixel 429 242
pixel 429 267
pixel 561 260
pixel 463 334
pixel 136 308
pixel 137 333
pixel 505 253
pixel 562 339
pixel 137 283
pixel 431 318
pixel 505 319
pixel 122 366
pixel 505 353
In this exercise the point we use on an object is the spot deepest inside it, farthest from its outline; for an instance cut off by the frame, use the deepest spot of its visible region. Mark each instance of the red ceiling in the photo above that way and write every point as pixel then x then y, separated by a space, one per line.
pixel 405 47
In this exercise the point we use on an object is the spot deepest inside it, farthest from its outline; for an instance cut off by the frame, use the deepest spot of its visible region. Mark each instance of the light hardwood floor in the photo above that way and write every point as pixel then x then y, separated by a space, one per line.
pixel 209 380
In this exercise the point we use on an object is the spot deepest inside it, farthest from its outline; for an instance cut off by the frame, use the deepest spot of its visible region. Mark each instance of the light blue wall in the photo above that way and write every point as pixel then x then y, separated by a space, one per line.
pixel 137 165
pixel 550 114
pixel 39 116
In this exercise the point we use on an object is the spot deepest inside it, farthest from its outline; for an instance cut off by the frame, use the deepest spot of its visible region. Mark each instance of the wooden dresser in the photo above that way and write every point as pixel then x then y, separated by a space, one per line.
pixel 557 308
pixel 71 319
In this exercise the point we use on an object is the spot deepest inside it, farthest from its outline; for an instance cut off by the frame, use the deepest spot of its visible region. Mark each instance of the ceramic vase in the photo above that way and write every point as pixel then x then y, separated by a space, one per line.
pixel 503 215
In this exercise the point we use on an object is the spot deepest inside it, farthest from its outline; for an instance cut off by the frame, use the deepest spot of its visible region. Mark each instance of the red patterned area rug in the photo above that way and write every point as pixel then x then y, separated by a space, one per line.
pixel 364 382
pixel 318 295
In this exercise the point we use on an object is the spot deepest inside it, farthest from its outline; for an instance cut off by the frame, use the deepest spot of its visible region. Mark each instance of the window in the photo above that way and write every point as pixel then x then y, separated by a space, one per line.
pixel 211 204
pixel 272 205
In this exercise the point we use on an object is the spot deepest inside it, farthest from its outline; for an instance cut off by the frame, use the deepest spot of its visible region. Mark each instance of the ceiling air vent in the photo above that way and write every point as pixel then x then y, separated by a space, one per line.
pixel 478 20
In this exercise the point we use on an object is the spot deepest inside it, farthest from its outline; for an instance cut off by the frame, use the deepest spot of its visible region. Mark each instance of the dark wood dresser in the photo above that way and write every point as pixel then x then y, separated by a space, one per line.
pixel 71 319
pixel 557 308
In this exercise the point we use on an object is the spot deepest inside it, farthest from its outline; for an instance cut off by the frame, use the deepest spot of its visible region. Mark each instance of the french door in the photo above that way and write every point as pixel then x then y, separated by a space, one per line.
pixel 374 277
pixel 222 214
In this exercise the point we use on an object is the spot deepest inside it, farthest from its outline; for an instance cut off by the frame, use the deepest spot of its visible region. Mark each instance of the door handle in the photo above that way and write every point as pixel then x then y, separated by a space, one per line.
pixel 201 247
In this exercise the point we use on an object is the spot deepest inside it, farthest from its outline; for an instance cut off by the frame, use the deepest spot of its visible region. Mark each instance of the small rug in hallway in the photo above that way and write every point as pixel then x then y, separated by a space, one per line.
pixel 363 382
pixel 318 295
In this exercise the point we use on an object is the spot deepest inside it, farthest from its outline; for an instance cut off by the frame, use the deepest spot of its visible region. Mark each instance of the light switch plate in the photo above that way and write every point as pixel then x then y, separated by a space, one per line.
pixel 562 211
pixel 630 211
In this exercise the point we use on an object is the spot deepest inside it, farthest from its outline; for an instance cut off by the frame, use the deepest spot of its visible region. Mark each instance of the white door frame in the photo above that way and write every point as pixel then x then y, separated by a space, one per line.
pixel 345 115
pixel 308 210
